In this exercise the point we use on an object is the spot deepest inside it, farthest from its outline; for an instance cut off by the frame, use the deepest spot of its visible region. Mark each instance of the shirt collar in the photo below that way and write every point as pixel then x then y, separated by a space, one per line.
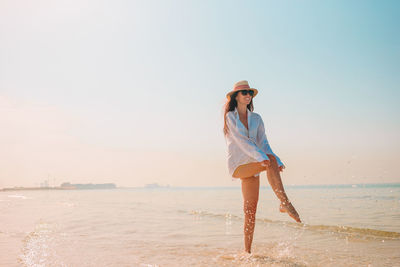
pixel 248 112
pixel 248 115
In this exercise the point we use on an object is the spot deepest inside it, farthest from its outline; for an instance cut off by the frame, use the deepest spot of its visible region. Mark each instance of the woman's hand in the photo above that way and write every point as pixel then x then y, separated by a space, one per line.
pixel 265 163
pixel 281 168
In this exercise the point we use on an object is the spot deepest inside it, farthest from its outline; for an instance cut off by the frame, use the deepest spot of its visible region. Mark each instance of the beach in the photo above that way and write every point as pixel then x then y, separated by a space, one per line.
pixel 342 226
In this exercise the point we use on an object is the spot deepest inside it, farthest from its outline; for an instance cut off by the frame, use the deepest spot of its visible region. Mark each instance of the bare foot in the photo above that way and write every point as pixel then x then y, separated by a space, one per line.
pixel 243 255
pixel 288 207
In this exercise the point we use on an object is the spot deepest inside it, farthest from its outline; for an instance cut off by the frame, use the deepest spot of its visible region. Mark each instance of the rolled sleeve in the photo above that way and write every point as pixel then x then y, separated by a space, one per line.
pixel 263 141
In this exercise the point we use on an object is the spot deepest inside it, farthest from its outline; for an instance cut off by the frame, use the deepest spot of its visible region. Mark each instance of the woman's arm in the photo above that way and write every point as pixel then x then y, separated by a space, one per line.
pixel 263 141
pixel 244 142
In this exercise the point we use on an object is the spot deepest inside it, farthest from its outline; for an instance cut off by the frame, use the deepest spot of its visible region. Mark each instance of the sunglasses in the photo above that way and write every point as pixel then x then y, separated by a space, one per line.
pixel 245 92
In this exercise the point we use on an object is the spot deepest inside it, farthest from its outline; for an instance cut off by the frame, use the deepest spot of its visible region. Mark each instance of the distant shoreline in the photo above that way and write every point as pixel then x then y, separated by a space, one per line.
pixel 35 188
pixel 47 188
pixel 64 186
pixel 288 186
pixel 93 187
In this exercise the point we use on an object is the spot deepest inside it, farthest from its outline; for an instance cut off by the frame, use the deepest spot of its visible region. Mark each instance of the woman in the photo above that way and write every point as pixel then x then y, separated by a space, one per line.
pixel 249 153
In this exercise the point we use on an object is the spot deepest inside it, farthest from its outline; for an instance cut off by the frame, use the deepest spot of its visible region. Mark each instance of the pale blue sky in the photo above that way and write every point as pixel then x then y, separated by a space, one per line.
pixel 131 91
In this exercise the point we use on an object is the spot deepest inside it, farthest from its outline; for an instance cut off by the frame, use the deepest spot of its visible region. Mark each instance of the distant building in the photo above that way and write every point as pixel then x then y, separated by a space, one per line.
pixel 88 186
pixel 155 185
pixel 44 184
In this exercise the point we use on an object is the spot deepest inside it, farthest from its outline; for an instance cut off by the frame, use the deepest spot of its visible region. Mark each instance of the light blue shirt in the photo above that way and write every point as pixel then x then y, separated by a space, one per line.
pixel 245 146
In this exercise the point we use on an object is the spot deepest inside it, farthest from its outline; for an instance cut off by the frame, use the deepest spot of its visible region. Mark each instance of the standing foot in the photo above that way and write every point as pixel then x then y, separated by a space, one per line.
pixel 288 207
pixel 244 255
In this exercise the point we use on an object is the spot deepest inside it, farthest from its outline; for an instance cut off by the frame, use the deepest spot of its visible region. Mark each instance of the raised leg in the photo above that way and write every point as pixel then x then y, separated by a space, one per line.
pixel 274 179
pixel 248 170
pixel 250 191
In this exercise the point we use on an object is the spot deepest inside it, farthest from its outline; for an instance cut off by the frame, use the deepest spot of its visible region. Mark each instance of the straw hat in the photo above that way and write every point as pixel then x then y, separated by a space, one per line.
pixel 241 85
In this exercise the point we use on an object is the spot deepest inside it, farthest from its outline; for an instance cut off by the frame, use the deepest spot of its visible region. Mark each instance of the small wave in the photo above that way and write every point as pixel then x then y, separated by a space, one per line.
pixel 216 215
pixel 18 196
pixel 67 204
pixel 364 232
pixel 352 231
pixel 38 247
pixel 252 259
pixel 369 197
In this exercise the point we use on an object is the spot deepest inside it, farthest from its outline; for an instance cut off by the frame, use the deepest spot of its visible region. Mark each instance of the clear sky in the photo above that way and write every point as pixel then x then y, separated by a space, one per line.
pixel 131 92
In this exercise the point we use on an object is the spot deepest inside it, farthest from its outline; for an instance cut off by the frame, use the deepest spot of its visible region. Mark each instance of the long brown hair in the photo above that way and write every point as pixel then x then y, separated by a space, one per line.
pixel 230 105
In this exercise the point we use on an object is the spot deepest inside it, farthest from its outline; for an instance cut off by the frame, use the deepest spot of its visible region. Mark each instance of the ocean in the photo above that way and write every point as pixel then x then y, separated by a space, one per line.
pixel 343 225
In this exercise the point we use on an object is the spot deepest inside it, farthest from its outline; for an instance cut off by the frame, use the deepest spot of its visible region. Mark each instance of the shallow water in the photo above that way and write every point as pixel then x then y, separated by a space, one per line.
pixel 356 226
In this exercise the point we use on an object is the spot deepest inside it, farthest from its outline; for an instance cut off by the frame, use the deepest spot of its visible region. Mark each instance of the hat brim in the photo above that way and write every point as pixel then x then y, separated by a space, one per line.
pixel 228 95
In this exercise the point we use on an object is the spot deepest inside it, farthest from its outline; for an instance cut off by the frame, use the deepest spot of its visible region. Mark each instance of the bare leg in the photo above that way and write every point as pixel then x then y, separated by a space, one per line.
pixel 274 179
pixel 250 191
